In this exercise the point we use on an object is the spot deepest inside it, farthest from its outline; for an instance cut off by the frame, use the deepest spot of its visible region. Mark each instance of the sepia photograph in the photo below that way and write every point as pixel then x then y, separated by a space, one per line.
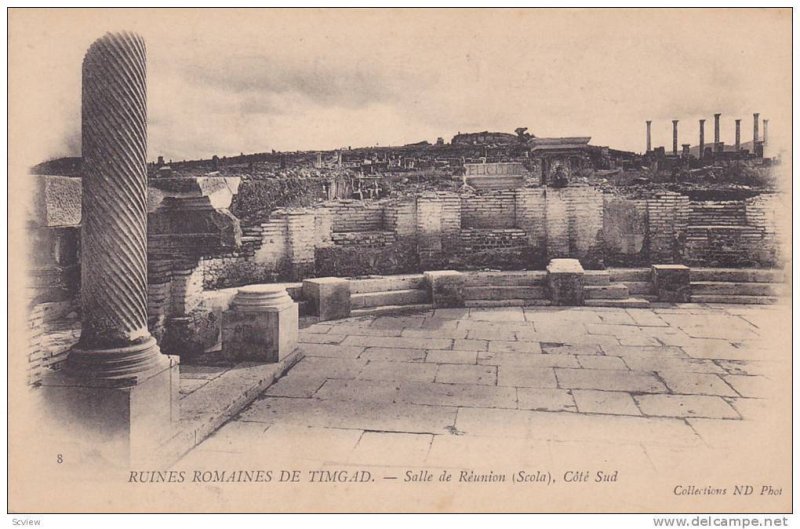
pixel 400 260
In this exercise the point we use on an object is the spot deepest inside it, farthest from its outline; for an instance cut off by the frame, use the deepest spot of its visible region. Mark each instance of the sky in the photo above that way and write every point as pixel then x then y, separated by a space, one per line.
pixel 243 81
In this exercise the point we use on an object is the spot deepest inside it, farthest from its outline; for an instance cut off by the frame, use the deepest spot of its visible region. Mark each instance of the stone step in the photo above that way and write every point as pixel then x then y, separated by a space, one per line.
pixel 391 309
pixel 387 284
pixel 630 303
pixel 735 300
pixel 629 274
pixel 596 278
pixel 394 297
pixel 617 291
pixel 505 279
pixel 477 303
pixel 499 293
pixel 639 287
pixel 736 275
pixel 735 289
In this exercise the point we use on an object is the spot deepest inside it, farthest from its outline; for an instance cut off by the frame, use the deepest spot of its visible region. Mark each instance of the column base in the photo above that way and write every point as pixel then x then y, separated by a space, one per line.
pixel 120 421
pixel 261 325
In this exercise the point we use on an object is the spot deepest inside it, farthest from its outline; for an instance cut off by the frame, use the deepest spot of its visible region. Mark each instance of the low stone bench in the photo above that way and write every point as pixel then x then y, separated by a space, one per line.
pixel 565 282
pixel 672 283
pixel 329 297
pixel 446 287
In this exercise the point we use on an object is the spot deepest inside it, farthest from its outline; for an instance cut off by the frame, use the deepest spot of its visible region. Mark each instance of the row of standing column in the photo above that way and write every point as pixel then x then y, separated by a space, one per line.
pixel 718 145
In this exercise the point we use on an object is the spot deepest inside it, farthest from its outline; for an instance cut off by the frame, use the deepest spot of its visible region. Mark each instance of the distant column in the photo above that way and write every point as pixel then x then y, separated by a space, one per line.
pixel 702 138
pixel 675 137
pixel 738 135
pixel 716 130
pixel 648 136
pixel 755 127
pixel 766 123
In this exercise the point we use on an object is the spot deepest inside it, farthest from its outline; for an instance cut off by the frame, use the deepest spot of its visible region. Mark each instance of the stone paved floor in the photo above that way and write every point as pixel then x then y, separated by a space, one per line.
pixel 659 395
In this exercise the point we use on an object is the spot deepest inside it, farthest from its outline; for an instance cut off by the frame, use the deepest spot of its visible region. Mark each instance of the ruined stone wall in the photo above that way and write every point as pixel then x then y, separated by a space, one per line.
pixel 354 216
pixel 493 210
pixel 585 210
pixel 530 216
pixel 734 233
pixel 625 231
pixel 667 220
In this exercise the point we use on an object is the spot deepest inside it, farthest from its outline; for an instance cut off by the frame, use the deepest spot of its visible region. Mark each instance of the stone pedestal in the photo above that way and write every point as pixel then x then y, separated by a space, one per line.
pixel 329 297
pixel 565 282
pixel 122 421
pixel 446 287
pixel 261 325
pixel 672 283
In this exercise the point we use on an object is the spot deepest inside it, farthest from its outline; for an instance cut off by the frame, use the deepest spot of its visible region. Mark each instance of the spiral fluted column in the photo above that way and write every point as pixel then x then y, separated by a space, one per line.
pixel 115 341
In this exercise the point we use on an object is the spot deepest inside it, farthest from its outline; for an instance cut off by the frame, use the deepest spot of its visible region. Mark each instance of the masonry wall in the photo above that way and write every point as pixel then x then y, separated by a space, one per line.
pixel 489 211
pixel 519 229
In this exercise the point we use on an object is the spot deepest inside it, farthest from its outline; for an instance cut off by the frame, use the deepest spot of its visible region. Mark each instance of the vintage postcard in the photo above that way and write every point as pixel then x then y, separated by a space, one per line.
pixel 400 260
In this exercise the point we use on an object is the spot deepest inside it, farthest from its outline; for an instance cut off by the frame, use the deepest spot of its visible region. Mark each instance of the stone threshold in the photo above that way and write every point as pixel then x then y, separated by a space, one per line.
pixel 205 410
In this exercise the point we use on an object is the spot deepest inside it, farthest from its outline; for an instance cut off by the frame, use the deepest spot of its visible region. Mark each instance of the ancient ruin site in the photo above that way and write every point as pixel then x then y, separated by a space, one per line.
pixel 560 319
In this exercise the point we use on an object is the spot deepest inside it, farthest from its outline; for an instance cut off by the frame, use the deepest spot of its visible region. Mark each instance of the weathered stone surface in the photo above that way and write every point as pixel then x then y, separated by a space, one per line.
pixel 601 362
pixel 545 399
pixel 329 297
pixel 446 287
pixel 609 380
pixel 393 354
pixel 407 343
pixel 526 360
pixel 396 371
pixel 565 282
pixel 671 283
pixel 472 395
pixel 57 201
pixel 686 406
pixel 526 377
pixel 444 356
pixel 696 383
pixel 467 374
pixel 610 402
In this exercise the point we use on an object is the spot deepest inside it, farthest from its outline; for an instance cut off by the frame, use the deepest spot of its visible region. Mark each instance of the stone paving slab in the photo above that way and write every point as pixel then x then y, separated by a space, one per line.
pixel 534 386
pixel 610 402
pixel 393 371
pixel 526 377
pixel 686 406
pixel 443 356
pixel 447 394
pixel 527 360
pixel 378 416
pixel 545 399
pixel 609 380
pixel 402 343
pixel 330 350
pixel 393 354
pixel 696 383
pixel 358 390
pixel 467 374
pixel 600 362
